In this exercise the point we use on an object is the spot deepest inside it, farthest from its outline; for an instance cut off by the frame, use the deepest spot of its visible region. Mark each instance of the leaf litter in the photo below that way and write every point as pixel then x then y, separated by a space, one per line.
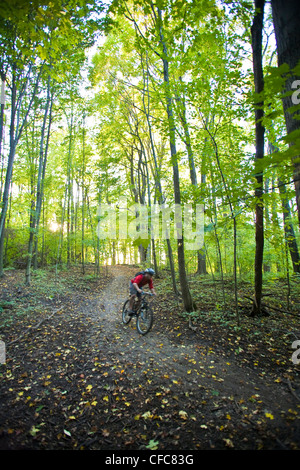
pixel 84 380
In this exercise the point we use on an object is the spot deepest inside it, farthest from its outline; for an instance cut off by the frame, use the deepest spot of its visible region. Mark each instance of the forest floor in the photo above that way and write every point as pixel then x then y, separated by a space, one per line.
pixel 76 377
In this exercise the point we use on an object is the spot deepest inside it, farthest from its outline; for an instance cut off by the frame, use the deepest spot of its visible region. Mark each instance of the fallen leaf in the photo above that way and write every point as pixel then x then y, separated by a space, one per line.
pixel 147 415
pixel 183 414
pixel 33 431
pixel 228 442
pixel 153 445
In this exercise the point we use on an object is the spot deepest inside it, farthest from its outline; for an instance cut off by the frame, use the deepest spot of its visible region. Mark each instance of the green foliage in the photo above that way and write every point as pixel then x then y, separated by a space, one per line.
pixel 109 130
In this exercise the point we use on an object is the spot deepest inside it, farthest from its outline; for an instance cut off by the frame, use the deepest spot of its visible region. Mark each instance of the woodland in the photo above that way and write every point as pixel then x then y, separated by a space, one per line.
pixel 156 102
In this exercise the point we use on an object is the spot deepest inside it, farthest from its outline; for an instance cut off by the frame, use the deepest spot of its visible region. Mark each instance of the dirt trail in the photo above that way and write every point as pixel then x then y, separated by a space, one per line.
pixel 155 351
pixel 190 370
pixel 160 353
pixel 84 380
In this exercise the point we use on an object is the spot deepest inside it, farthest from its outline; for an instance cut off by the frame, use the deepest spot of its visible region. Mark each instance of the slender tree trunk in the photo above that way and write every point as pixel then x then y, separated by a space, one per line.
pixel 220 261
pixel 70 189
pixel 43 237
pixel 3 251
pixel 256 34
pixel 40 193
pixel 203 252
pixel 288 228
pixel 234 224
pixel 90 219
pixel 286 16
pixel 157 179
pixel 36 208
pixel 61 234
pixel 16 127
pixel 9 169
pixel 32 165
pixel 193 174
pixel 83 197
pixel 266 265
pixel 2 104
pixel 289 232
pixel 189 305
pixel 98 240
pixel 149 225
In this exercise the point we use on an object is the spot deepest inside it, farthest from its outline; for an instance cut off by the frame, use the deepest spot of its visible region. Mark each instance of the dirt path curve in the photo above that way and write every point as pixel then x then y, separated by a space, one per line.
pixel 155 350
pixel 186 394
pixel 84 380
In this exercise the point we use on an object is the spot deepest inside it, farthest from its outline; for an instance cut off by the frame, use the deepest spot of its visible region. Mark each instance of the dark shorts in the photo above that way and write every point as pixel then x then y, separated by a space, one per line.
pixel 132 290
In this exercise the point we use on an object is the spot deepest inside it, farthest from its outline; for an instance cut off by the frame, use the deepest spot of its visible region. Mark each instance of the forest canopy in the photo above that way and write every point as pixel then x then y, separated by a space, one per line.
pixel 130 105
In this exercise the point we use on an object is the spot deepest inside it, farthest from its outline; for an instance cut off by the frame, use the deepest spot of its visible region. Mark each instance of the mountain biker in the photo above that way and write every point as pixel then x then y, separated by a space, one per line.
pixel 137 282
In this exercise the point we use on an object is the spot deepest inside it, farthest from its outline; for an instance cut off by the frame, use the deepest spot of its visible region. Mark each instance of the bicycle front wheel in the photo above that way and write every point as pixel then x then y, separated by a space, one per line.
pixel 144 321
pixel 125 316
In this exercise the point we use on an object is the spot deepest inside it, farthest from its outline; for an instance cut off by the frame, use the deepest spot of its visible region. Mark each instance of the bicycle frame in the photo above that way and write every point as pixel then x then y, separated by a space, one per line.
pixel 143 323
pixel 140 302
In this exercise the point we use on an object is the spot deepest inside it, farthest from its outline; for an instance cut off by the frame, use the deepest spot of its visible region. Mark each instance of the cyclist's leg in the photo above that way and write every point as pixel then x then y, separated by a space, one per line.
pixel 132 293
pixel 131 300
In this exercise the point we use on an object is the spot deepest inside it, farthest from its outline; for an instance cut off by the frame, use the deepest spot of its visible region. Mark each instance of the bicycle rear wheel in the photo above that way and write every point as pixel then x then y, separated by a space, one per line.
pixel 125 317
pixel 144 321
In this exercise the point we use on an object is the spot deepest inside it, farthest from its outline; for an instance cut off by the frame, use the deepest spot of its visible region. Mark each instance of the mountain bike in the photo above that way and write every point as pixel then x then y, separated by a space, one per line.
pixel 142 311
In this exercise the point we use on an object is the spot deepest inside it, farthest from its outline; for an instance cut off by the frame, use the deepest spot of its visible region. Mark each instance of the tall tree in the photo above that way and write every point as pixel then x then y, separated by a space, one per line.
pixel 186 295
pixel 37 207
pixel 156 171
pixel 27 48
pixel 286 16
pixel 256 34
pixel 201 268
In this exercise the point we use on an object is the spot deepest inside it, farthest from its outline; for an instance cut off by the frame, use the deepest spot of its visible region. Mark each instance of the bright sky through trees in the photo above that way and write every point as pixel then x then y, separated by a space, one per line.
pixel 155 103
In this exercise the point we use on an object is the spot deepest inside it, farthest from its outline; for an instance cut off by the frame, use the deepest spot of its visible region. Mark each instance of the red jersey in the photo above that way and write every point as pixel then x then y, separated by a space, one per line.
pixel 140 280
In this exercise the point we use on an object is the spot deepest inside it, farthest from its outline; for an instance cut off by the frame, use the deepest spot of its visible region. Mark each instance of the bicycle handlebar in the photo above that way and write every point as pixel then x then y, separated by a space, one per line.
pixel 146 293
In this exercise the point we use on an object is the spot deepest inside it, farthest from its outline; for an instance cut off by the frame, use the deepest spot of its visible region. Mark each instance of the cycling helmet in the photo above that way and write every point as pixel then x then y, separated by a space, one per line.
pixel 150 271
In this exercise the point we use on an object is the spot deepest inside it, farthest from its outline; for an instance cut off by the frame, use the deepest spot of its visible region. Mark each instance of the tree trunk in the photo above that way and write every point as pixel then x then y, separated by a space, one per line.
pixel 267 223
pixel 70 187
pixel 256 34
pixel 61 233
pixel 9 170
pixel 16 127
pixel 289 232
pixel 289 229
pixel 83 197
pixel 286 16
pixel 201 269
pixel 186 295
pixel 3 79
pixel 234 222
pixel 158 182
pixel 201 265
pixel 36 211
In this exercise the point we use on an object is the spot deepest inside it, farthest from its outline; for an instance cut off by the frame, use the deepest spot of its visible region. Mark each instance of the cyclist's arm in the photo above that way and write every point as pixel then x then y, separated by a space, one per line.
pixel 151 287
pixel 136 287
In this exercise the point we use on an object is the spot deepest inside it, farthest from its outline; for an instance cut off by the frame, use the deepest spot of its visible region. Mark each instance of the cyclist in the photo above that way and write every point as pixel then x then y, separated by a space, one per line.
pixel 137 282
